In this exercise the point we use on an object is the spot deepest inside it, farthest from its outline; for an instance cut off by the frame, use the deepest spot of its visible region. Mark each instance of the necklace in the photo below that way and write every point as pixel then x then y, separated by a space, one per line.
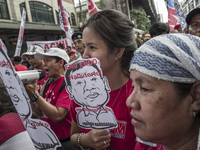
pixel 117 97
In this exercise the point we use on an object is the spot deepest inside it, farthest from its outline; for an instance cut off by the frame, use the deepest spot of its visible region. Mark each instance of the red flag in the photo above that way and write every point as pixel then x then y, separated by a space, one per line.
pixel 172 17
pixel 64 22
pixel 92 8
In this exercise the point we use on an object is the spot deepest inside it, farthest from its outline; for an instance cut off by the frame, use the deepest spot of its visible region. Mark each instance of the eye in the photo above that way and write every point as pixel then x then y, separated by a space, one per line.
pixel 194 25
pixel 144 89
pixel 8 73
pixel 79 82
pixel 92 47
pixel 93 79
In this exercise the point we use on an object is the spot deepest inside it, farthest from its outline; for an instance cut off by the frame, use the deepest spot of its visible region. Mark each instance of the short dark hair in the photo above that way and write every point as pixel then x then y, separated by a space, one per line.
pixel 117 31
pixel 58 59
pixel 17 59
pixel 159 28
pixel 60 45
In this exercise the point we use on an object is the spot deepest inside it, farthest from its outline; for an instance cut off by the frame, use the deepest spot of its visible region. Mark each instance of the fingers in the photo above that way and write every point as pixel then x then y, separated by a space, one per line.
pixel 101 138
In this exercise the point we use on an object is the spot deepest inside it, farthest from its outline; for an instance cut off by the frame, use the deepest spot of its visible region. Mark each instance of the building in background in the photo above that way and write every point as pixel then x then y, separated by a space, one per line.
pixel 188 5
pixel 42 21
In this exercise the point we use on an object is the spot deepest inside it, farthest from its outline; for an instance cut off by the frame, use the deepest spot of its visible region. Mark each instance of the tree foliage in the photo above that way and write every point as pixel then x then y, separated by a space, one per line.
pixel 99 5
pixel 140 19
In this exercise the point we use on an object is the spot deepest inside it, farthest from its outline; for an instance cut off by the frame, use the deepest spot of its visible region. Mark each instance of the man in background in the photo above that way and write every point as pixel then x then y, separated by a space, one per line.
pixel 193 22
pixel 17 64
pixel 54 102
pixel 79 46
pixel 178 28
pixel 159 28
pixel 36 64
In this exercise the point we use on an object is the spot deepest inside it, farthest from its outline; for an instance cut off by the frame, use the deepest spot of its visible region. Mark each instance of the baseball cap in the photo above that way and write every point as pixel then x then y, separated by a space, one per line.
pixel 33 49
pixel 72 51
pixel 177 26
pixel 191 14
pixel 56 52
pixel 76 35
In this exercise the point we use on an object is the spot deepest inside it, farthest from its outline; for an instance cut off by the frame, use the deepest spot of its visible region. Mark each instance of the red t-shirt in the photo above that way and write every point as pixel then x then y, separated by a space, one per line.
pixel 20 68
pixel 53 96
pixel 41 82
pixel 140 146
pixel 123 137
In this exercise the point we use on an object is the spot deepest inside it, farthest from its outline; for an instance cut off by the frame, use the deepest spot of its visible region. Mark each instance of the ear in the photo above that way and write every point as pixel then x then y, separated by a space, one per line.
pixel 69 91
pixel 61 63
pixel 195 92
pixel 119 53
pixel 105 81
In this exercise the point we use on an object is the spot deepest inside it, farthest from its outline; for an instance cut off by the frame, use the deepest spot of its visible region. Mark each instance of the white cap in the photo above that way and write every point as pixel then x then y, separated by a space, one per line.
pixel 33 49
pixel 53 52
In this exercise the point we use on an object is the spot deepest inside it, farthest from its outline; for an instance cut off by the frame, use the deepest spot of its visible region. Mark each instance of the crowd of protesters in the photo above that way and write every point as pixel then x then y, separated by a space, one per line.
pixel 154 78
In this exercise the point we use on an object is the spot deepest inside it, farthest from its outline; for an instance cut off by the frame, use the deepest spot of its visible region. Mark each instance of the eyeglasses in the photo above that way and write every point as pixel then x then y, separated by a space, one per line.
pixel 194 26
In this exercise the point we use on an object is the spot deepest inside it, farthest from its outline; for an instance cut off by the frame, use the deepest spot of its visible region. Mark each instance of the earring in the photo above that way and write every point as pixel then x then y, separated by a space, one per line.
pixel 194 114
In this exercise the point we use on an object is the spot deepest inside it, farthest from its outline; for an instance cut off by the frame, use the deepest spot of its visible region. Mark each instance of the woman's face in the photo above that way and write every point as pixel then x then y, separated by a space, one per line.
pixel 159 115
pixel 95 47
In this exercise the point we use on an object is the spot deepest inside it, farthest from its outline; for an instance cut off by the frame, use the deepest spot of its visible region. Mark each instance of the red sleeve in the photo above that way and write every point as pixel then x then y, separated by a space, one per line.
pixel 63 99
pixel 11 125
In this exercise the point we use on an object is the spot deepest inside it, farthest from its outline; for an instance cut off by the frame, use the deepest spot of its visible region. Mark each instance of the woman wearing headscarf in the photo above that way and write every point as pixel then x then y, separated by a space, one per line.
pixel 165 102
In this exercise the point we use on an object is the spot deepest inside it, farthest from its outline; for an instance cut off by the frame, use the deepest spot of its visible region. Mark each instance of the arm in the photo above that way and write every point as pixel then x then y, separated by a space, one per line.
pixel 93 139
pixel 55 113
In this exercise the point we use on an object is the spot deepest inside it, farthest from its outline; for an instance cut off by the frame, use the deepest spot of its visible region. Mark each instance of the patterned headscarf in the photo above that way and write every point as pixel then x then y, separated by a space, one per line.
pixel 171 57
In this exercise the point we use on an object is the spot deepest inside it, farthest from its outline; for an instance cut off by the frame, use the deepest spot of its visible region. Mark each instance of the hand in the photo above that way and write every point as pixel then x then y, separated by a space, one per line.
pixel 31 89
pixel 98 139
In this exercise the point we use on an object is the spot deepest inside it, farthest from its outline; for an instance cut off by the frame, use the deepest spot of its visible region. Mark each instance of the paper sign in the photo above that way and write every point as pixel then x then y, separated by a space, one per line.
pixel 88 88
pixel 40 132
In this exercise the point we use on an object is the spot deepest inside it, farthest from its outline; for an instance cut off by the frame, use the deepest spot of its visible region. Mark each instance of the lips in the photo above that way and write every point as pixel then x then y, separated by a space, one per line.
pixel 135 121
pixel 93 95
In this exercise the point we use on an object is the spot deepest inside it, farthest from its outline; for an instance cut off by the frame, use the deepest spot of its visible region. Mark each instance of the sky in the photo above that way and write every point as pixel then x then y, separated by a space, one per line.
pixel 162 9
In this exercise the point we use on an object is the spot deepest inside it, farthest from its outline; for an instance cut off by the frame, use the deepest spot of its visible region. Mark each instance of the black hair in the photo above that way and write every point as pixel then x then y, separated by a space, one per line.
pixel 58 59
pixel 159 28
pixel 60 45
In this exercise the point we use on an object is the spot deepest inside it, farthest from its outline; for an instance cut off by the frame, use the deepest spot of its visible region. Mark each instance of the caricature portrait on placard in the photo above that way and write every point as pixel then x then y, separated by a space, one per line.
pixel 39 131
pixel 88 87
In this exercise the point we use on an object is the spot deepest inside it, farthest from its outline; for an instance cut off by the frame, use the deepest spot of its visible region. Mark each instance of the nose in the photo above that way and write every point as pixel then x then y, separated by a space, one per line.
pixel 88 86
pixel 132 101
pixel 86 54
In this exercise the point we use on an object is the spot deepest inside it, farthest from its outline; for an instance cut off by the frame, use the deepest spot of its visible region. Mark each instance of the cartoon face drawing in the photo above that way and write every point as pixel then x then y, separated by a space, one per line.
pixel 88 88
pixel 92 90
pixel 14 90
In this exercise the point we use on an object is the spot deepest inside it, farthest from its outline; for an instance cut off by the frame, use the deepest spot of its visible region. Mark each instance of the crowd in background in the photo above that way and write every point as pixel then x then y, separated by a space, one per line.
pixel 154 77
